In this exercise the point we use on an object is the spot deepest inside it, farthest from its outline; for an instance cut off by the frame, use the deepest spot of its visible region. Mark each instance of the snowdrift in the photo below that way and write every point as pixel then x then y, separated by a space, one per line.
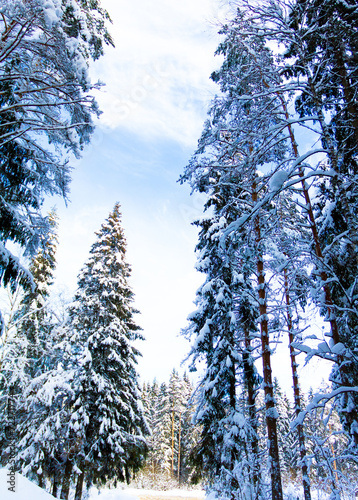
pixel 24 489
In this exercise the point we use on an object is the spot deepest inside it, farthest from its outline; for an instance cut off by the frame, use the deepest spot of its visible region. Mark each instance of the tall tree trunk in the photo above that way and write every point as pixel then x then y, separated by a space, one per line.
pixel 297 397
pixel 249 381
pixel 66 481
pixel 232 400
pixel 54 486
pixel 79 485
pixel 271 412
pixel 172 464
pixel 41 480
pixel 179 444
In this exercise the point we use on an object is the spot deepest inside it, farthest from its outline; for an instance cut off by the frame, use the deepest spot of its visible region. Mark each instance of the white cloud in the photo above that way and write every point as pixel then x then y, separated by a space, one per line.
pixel 158 76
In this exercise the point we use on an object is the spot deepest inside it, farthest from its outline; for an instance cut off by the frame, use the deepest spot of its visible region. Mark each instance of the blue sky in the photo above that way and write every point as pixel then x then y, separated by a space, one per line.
pixel 157 215
pixel 156 95
pixel 154 102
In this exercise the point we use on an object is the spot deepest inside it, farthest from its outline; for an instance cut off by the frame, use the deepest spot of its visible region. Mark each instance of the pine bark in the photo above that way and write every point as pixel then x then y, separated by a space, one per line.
pixel 271 420
pixel 179 444
pixel 251 397
pixel 297 397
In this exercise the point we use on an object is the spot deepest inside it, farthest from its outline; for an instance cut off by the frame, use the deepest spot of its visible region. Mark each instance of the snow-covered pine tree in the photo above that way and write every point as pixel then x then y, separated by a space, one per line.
pixel 321 109
pixel 319 39
pixel 331 469
pixel 289 262
pixel 324 57
pixel 245 134
pixel 326 53
pixel 213 328
pixel 107 436
pixel 224 327
pixel 45 112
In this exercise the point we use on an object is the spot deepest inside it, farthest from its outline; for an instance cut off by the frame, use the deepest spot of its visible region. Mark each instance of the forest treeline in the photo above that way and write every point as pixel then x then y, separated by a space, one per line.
pixel 173 461
pixel 277 245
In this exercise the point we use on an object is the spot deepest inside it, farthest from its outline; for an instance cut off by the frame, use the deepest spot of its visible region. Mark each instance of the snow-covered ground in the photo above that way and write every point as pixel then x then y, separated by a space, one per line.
pixel 26 490
pixel 133 494
pixel 22 490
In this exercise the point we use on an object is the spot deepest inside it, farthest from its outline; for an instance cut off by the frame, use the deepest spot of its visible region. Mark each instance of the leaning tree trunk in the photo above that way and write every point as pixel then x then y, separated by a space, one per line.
pixel 352 417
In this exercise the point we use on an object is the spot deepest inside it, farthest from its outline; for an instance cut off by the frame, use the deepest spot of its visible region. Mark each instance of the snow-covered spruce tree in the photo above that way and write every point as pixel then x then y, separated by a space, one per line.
pixel 150 404
pixel 163 431
pixel 45 111
pixel 43 422
pixel 39 375
pixel 107 428
pixel 158 462
pixel 288 442
pixel 246 132
pixel 222 329
pixel 175 407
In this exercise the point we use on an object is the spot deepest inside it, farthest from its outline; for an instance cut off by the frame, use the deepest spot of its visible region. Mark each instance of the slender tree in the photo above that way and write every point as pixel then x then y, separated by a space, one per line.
pixel 34 316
